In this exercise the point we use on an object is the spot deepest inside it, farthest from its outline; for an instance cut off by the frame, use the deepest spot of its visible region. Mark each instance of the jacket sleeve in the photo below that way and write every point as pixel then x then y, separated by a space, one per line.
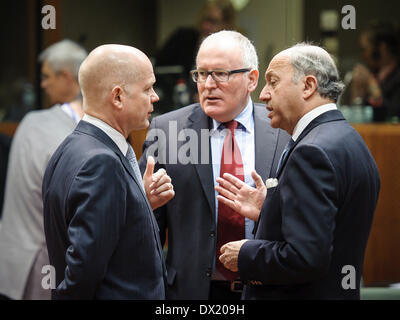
pixel 307 197
pixel 97 208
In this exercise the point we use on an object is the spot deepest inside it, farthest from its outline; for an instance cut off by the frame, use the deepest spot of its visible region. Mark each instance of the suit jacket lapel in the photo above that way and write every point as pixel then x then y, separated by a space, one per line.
pixel 333 115
pixel 264 152
pixel 199 120
pixel 97 133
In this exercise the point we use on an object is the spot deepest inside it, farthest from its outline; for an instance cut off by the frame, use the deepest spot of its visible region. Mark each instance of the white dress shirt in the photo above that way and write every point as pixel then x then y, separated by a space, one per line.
pixel 310 116
pixel 115 135
pixel 244 136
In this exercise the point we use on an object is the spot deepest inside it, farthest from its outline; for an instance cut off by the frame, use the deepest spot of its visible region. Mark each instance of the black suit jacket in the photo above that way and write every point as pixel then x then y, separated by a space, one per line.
pixel 101 234
pixel 190 216
pixel 317 220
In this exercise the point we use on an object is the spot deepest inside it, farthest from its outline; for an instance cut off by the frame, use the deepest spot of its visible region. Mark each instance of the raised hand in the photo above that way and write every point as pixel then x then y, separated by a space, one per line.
pixel 241 197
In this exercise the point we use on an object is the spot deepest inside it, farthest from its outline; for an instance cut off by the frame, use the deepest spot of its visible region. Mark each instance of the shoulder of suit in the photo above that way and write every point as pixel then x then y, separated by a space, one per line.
pixel 180 114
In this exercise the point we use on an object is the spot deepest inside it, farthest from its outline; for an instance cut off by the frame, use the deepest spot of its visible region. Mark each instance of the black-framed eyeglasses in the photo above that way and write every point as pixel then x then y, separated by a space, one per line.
pixel 219 75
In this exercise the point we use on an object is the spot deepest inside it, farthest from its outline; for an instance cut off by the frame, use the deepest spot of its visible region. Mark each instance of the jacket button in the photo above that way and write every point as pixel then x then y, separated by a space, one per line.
pixel 212 233
pixel 208 273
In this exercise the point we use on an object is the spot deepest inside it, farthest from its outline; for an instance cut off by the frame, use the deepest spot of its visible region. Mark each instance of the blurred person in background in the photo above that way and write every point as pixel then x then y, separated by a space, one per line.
pixel 378 83
pixel 23 250
pixel 181 47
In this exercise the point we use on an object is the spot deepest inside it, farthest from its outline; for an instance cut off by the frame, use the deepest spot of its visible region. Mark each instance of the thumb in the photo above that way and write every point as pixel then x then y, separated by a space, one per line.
pixel 149 167
pixel 257 179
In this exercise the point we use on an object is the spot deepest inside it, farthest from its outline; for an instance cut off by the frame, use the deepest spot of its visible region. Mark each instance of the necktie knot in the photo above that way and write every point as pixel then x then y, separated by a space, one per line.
pixel 290 144
pixel 284 154
pixel 231 125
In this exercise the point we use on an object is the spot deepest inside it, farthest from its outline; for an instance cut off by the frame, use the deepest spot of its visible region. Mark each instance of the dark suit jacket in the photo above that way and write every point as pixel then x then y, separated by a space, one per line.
pixel 100 230
pixel 317 219
pixel 190 216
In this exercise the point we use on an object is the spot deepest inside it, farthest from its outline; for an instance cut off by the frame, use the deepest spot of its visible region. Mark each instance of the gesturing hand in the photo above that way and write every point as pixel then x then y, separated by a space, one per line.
pixel 241 197
pixel 158 187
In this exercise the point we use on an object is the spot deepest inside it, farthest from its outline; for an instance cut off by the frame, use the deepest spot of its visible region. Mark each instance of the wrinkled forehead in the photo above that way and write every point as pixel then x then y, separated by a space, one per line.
pixel 223 54
pixel 280 63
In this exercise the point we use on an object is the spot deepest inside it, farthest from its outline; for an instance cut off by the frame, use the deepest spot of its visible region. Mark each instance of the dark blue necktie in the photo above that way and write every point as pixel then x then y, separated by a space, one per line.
pixel 284 154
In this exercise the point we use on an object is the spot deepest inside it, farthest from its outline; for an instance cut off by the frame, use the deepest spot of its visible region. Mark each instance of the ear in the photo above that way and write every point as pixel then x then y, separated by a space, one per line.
pixel 117 97
pixel 310 86
pixel 253 76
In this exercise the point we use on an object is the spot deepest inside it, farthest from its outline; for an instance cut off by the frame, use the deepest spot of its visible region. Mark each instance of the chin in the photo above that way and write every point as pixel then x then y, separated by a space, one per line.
pixel 215 113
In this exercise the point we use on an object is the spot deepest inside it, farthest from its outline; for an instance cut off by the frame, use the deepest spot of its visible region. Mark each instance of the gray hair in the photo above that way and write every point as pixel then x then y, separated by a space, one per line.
pixel 250 58
pixel 65 54
pixel 308 59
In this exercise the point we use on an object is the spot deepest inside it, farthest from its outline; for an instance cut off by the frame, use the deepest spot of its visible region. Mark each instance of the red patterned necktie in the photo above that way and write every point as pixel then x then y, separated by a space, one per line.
pixel 230 224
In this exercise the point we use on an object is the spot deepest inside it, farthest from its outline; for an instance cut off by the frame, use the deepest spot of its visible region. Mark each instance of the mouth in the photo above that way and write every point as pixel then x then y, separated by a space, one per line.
pixel 212 99
pixel 271 111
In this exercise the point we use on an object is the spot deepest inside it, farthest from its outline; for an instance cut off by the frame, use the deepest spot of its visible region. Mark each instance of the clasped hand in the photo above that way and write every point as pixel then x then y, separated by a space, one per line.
pixel 158 187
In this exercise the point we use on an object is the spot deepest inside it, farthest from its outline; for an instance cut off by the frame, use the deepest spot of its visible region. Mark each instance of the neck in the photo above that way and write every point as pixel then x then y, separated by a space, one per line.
pixel 312 103
pixel 107 119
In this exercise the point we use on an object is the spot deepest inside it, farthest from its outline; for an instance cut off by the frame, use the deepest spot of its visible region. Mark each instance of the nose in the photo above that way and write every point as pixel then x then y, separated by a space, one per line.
pixel 210 82
pixel 154 97
pixel 265 95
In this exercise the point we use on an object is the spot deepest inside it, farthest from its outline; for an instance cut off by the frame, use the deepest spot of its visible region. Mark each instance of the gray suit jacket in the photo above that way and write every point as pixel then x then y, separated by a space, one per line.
pixel 190 216
pixel 22 235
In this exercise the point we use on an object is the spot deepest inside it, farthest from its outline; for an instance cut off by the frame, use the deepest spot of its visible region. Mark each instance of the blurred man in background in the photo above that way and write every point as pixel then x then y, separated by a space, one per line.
pixel 23 250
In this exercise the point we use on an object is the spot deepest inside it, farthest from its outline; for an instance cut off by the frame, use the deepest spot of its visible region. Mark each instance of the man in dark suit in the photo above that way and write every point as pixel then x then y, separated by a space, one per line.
pixel 315 222
pixel 189 144
pixel 100 230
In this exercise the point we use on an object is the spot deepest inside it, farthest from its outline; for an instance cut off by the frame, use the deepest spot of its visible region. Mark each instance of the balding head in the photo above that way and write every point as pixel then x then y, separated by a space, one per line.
pixel 117 87
pixel 108 66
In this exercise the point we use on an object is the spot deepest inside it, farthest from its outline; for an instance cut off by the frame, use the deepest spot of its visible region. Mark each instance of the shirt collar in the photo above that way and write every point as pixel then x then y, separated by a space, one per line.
pixel 115 136
pixel 245 118
pixel 310 116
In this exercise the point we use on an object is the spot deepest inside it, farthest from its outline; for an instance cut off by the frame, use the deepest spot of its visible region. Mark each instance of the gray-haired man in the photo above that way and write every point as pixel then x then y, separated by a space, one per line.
pixel 23 251
pixel 314 224
pixel 226 75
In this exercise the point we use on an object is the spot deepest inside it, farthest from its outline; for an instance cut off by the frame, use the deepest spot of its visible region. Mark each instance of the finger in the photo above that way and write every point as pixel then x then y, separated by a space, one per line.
pixel 149 167
pixel 221 258
pixel 225 193
pixel 234 180
pixel 227 185
pixel 162 180
pixel 159 174
pixel 231 204
pixel 257 180
pixel 167 195
pixel 162 188
pixel 224 247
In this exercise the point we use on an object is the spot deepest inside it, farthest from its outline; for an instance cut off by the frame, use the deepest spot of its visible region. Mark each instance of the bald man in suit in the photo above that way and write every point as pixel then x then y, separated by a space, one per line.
pixel 100 230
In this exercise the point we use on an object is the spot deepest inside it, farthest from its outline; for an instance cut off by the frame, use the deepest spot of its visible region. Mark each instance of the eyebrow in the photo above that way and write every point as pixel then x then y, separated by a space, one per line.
pixel 270 74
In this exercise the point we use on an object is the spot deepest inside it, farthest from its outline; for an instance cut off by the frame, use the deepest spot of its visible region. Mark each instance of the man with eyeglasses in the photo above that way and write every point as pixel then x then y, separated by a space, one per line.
pixel 197 224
